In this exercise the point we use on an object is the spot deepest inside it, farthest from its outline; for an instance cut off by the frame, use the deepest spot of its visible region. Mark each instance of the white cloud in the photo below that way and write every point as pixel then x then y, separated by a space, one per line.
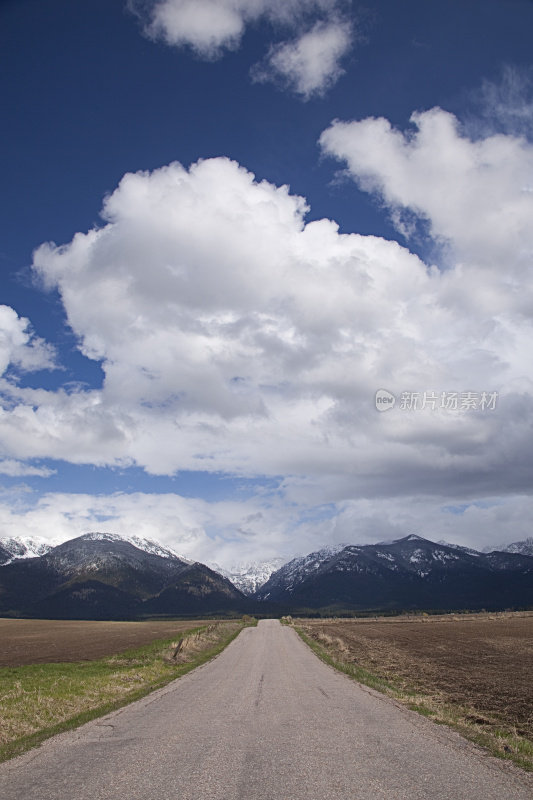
pixel 474 194
pixel 209 26
pixel 19 346
pixel 230 332
pixel 266 526
pixel 506 105
pixel 16 469
pixel 206 25
pixel 311 63
pixel 193 528
pixel 492 522
pixel 235 337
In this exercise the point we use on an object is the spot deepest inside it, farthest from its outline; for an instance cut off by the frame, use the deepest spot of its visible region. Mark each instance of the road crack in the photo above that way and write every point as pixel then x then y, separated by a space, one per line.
pixel 259 695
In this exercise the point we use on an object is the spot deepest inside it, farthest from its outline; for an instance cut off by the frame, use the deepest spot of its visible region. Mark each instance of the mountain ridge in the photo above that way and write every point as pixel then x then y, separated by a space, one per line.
pixel 408 573
pixel 105 575
pixel 525 547
pixel 13 548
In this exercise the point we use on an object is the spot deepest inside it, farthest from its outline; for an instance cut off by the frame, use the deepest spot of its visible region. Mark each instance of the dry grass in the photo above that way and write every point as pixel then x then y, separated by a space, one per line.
pixel 39 700
pixel 472 672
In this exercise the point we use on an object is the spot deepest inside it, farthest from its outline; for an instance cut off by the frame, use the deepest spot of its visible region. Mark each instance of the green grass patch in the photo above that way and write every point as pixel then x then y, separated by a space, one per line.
pixel 40 700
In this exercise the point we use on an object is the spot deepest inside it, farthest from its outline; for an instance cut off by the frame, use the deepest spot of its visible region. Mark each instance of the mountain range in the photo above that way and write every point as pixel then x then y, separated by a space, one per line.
pixel 106 576
pixel 407 574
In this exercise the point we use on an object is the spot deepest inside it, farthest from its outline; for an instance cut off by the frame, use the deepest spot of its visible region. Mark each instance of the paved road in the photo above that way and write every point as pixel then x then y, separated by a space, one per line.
pixel 266 720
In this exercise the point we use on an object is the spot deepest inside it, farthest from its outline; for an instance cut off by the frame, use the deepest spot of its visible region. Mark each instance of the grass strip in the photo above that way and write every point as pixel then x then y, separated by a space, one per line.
pixel 41 700
pixel 496 735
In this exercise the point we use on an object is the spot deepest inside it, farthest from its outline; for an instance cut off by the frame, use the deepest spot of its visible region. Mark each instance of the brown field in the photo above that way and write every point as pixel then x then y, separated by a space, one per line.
pixel 38 700
pixel 37 641
pixel 476 670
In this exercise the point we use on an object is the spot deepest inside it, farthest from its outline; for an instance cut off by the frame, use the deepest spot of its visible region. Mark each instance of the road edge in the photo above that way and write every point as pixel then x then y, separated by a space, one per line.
pixel 21 746
pixel 387 689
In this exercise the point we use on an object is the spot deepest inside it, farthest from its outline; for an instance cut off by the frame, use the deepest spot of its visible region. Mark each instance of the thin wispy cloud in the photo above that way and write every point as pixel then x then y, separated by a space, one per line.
pixel 504 105
pixel 17 469
pixel 20 347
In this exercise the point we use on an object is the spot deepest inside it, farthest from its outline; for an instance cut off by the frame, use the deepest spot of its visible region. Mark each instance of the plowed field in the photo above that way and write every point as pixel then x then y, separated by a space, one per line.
pixel 37 641
pixel 481 662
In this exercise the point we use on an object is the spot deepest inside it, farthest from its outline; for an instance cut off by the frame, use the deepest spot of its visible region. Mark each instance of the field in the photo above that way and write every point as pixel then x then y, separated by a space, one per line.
pixel 37 641
pixel 473 672
pixel 57 675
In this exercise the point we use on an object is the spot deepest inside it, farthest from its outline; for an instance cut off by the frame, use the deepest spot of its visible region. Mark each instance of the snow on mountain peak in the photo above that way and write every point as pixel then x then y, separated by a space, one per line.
pixel 248 576
pixel 460 547
pixel 524 547
pixel 147 545
pixel 25 547
pixel 298 568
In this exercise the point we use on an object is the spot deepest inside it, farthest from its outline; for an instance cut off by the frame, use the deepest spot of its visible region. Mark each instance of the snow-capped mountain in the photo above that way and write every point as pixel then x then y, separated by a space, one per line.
pixel 464 549
pixel 297 570
pixel 105 576
pixel 108 576
pixel 524 547
pixel 15 547
pixel 147 545
pixel 411 572
pixel 249 576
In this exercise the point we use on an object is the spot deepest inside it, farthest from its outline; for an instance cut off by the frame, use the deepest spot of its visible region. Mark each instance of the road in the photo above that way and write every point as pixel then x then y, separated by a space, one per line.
pixel 265 720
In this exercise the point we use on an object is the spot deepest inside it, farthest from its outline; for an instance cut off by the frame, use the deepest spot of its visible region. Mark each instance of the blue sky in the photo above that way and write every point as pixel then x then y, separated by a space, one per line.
pixel 199 364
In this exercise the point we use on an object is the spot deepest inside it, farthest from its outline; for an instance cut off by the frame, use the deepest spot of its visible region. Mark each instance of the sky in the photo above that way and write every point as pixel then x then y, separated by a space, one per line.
pixel 266 272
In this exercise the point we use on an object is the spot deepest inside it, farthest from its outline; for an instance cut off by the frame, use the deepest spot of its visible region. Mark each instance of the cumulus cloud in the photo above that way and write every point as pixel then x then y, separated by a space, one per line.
pixel 224 323
pixel 476 196
pixel 206 25
pixel 210 26
pixel 309 63
pixel 19 346
pixel 236 337
pixel 490 523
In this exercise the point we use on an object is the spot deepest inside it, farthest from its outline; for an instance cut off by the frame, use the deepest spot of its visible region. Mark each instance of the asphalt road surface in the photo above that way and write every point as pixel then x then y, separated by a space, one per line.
pixel 266 720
